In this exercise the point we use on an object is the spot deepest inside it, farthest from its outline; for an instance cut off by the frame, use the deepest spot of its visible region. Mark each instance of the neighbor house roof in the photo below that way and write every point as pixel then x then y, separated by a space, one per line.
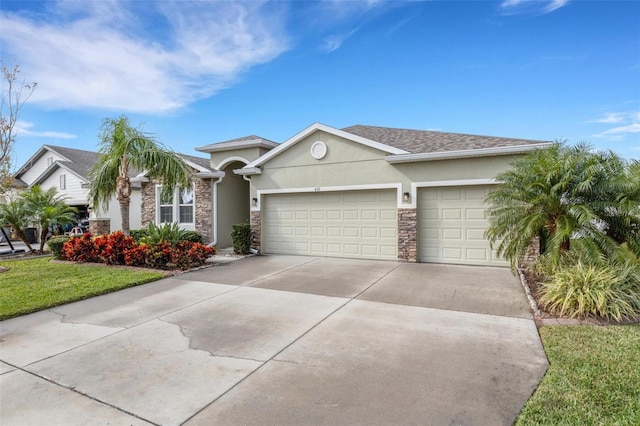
pixel 426 141
pixel 77 160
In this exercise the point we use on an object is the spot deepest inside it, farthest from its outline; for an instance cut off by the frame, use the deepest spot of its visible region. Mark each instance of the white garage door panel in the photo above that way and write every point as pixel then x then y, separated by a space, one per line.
pixel 360 224
pixel 451 226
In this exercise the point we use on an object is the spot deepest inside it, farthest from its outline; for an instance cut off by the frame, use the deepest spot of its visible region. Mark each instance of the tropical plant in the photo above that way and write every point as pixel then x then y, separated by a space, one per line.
pixel 16 214
pixel 566 196
pixel 125 149
pixel 579 290
pixel 168 232
pixel 47 208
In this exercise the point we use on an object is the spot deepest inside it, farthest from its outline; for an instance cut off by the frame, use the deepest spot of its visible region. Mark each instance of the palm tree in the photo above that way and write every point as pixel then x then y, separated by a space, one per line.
pixel 562 195
pixel 123 150
pixel 16 214
pixel 47 208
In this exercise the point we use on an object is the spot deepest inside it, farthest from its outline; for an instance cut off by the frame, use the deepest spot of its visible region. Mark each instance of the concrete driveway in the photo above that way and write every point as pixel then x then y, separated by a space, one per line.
pixel 280 340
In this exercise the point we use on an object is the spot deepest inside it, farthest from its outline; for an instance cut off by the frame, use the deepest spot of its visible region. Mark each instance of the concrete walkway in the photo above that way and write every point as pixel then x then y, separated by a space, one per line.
pixel 280 340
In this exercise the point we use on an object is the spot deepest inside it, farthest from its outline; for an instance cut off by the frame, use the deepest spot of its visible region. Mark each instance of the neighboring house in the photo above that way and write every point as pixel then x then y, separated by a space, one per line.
pixel 360 192
pixel 67 170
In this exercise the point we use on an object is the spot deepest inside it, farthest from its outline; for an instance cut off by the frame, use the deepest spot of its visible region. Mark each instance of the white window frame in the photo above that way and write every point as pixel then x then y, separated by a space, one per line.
pixel 175 204
pixel 63 181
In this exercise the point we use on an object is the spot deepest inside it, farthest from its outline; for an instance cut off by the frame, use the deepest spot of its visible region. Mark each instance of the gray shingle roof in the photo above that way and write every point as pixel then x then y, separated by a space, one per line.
pixel 79 161
pixel 424 141
pixel 202 162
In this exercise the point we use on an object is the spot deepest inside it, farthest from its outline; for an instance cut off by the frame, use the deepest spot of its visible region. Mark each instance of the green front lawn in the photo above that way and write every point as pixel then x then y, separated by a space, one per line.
pixel 34 284
pixel 593 377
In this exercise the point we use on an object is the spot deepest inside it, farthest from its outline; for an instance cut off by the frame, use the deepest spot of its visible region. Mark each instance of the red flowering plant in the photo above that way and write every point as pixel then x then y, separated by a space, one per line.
pixel 111 248
pixel 80 249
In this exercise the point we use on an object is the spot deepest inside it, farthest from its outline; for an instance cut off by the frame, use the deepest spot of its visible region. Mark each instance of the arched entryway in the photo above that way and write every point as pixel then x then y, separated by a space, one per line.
pixel 232 204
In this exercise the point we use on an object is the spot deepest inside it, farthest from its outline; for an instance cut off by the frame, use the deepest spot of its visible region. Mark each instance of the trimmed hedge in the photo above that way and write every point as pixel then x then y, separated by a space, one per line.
pixel 241 235
pixel 56 243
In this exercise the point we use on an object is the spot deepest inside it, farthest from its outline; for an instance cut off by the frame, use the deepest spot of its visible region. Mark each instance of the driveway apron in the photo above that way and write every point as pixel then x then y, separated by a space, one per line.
pixel 280 340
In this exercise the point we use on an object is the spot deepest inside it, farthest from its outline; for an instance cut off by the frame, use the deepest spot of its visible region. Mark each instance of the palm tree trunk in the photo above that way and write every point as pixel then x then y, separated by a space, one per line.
pixel 123 188
pixel 43 238
pixel 23 237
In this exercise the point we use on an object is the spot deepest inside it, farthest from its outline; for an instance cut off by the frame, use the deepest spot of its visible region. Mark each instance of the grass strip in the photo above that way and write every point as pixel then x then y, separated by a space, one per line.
pixel 593 377
pixel 35 284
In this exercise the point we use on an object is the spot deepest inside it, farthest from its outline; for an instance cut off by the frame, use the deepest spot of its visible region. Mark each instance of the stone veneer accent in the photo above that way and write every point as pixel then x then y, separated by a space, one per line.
pixel 407 235
pixel 148 199
pixel 203 189
pixel 100 226
pixel 256 229
pixel 204 208
pixel 532 253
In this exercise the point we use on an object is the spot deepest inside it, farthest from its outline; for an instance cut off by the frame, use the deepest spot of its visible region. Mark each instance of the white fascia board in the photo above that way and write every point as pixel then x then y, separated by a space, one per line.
pixel 228 146
pixel 467 153
pixel 248 171
pixel 51 168
pixel 321 127
pixel 35 157
pixel 210 175
pixel 193 165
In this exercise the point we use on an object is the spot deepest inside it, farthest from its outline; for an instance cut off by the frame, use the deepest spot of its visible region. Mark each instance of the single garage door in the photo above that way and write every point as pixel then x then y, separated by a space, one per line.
pixel 357 224
pixel 451 226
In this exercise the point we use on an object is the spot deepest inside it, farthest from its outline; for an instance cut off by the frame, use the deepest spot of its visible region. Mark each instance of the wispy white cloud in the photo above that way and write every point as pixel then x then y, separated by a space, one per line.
pixel 626 123
pixel 537 7
pixel 334 42
pixel 610 118
pixel 25 128
pixel 101 54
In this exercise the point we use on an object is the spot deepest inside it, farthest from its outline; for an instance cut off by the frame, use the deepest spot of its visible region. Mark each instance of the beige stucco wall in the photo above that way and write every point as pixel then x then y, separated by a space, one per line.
pixel 349 163
pixel 232 204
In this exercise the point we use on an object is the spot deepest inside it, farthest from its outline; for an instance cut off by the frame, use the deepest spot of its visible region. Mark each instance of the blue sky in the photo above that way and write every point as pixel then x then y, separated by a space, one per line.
pixel 195 73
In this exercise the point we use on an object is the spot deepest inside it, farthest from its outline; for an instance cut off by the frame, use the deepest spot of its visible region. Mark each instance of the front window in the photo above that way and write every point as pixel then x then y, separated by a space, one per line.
pixel 166 208
pixel 177 206
pixel 186 205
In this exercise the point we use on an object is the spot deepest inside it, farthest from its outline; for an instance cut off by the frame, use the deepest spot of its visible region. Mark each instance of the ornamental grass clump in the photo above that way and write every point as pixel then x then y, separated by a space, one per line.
pixel 610 291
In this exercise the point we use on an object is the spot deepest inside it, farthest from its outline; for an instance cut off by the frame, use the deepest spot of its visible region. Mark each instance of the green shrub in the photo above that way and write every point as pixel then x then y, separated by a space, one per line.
pixel 607 291
pixel 192 236
pixel 55 245
pixel 241 235
pixel 138 234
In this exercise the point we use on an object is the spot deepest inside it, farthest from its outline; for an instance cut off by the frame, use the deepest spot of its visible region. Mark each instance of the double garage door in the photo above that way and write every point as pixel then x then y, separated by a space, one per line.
pixel 359 224
pixel 363 224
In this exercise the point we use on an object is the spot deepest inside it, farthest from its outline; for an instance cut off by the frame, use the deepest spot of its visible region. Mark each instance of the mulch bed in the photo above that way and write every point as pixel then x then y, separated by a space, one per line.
pixel 542 317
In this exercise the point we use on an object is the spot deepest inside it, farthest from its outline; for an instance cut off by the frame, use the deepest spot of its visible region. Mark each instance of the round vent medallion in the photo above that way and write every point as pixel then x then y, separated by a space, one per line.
pixel 318 150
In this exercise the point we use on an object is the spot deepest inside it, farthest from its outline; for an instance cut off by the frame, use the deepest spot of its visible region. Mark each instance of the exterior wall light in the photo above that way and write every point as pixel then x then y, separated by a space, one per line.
pixel 406 197
pixel 254 202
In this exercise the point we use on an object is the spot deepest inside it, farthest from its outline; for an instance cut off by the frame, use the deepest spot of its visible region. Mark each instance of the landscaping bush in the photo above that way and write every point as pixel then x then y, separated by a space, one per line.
pixel 119 249
pixel 138 234
pixel 192 236
pixel 604 290
pixel 169 232
pixel 241 235
pixel 55 245
pixel 110 248
pixel 80 249
pixel 184 255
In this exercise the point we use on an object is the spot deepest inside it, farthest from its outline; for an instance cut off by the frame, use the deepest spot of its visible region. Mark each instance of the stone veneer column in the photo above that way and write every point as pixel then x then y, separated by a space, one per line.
pixel 100 226
pixel 256 229
pixel 203 189
pixel 407 235
pixel 148 195
pixel 532 252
